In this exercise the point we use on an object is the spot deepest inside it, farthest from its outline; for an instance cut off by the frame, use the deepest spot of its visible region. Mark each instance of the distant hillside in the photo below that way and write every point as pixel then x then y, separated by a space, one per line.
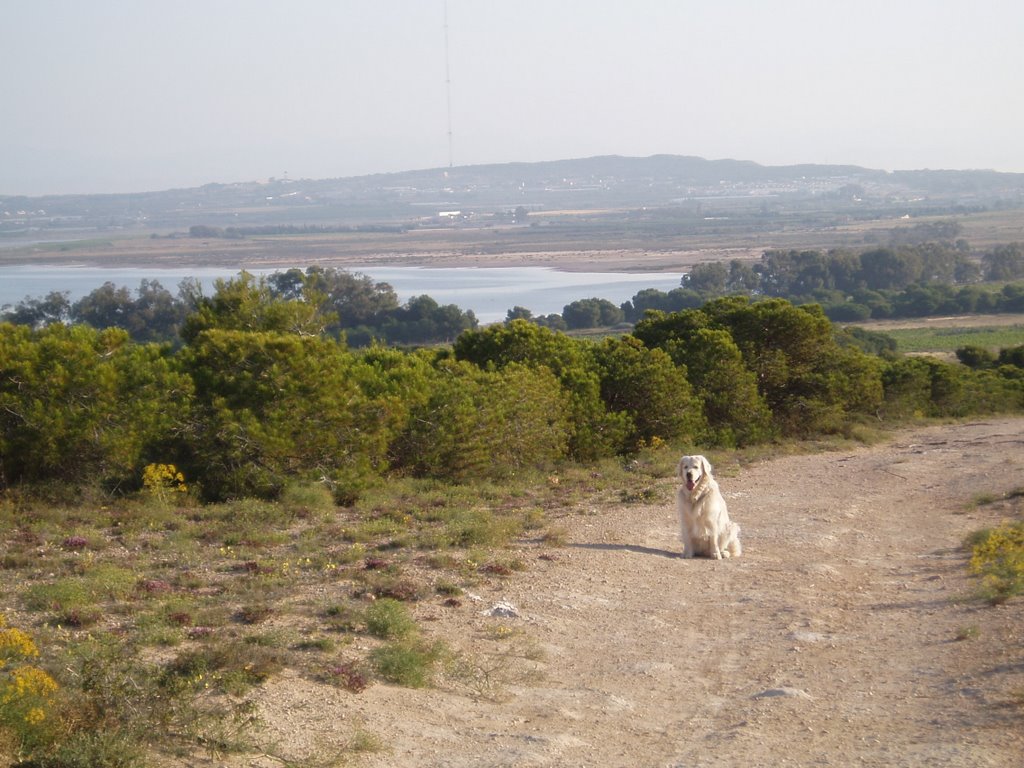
pixel 588 183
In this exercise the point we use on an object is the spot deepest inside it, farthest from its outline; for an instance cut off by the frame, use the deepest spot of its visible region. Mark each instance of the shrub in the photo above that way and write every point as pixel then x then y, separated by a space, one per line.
pixel 645 385
pixel 115 706
pixel 163 482
pixel 350 676
pixel 231 667
pixel 408 662
pixel 27 693
pixel 60 595
pixel 93 749
pixel 997 558
pixel 1012 356
pixel 486 424
pixel 735 412
pixel 308 498
pixel 389 619
pixel 82 406
pixel 272 406
pixel 480 528
pixel 384 585
pixel 907 386
pixel 974 356
pixel 593 432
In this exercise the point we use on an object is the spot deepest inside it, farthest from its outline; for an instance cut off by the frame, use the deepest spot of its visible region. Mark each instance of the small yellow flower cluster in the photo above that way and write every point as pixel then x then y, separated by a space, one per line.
pixel 999 560
pixel 28 681
pixel 655 444
pixel 1003 540
pixel 163 480
pixel 15 644
pixel 25 691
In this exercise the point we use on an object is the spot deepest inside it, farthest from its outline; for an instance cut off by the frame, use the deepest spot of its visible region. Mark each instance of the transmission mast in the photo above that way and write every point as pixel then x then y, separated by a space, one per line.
pixel 448 83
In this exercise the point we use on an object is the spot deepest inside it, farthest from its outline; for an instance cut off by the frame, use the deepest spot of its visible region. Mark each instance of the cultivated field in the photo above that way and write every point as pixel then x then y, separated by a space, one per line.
pixel 568 240
pixel 942 336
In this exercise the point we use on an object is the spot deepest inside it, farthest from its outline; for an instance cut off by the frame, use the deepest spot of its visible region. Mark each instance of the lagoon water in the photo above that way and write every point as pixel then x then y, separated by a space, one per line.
pixel 489 291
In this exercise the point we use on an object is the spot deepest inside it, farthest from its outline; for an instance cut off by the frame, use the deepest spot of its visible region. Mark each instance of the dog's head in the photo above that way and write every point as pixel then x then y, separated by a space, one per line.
pixel 693 469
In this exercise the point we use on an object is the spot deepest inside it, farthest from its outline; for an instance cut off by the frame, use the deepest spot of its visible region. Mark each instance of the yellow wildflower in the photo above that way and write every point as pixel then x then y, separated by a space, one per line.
pixel 31 681
pixel 163 479
pixel 16 644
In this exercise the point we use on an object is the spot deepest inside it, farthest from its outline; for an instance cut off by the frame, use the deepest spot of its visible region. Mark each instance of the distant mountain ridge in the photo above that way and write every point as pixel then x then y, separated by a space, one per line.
pixel 602 181
pixel 697 170
pixel 684 167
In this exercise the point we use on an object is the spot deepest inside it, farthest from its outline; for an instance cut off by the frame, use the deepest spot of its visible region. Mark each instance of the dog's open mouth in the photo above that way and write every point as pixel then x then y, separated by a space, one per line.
pixel 690 485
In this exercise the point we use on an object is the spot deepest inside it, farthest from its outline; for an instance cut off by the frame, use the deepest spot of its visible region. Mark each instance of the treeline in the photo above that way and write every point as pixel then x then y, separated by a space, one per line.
pixel 335 302
pixel 910 280
pixel 259 395
pixel 206 231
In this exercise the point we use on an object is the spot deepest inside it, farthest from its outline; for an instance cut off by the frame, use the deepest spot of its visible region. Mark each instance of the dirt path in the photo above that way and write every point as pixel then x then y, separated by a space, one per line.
pixel 832 641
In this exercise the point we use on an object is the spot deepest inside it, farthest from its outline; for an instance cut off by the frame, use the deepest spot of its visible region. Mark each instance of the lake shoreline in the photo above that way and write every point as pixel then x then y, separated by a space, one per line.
pixel 284 253
pixel 490 292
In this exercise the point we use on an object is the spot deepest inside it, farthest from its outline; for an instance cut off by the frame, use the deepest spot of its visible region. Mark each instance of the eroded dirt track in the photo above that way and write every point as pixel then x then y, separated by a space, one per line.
pixel 832 641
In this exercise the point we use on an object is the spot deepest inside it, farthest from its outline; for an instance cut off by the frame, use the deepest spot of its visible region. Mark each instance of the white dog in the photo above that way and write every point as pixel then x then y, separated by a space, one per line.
pixel 703 517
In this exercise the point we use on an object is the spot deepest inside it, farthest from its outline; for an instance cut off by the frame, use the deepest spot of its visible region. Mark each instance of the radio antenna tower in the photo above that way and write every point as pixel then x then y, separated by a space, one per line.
pixel 448 83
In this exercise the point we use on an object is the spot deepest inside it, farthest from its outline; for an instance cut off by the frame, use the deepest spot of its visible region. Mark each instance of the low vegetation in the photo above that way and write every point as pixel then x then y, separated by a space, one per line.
pixel 150 629
pixel 181 524
pixel 949 340
pixel 997 554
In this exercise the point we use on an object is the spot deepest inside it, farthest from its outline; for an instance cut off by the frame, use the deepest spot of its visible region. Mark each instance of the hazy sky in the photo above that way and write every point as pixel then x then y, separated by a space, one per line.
pixel 131 95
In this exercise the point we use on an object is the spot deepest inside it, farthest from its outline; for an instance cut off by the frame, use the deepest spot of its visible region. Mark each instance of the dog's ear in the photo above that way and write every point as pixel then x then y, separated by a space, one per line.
pixel 705 466
pixel 679 467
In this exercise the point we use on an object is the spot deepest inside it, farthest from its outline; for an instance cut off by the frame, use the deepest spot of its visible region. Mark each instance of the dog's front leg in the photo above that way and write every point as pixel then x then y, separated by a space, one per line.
pixel 687 542
pixel 716 546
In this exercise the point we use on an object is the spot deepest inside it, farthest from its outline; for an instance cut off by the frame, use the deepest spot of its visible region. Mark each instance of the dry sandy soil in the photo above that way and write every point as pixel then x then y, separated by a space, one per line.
pixel 840 637
pixel 423 249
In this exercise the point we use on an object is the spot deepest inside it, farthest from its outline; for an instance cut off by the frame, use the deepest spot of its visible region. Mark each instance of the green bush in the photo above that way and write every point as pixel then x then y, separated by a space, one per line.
pixel 83 406
pixel 273 406
pixel 409 663
pixel 484 424
pixel 593 431
pixel 807 381
pixel 647 387
pixel 258 405
pixel 734 411
pixel 92 749
pixel 480 528
pixel 389 619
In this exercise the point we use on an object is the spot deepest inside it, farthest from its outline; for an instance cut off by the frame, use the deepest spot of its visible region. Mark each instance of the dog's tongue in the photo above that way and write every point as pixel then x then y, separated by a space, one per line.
pixel 690 485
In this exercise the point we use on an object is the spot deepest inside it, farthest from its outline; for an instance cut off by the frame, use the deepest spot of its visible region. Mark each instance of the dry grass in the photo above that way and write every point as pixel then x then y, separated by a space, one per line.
pixel 186 603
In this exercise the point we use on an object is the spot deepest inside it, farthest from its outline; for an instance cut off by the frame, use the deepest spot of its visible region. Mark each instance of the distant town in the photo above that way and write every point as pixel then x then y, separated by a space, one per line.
pixel 518 194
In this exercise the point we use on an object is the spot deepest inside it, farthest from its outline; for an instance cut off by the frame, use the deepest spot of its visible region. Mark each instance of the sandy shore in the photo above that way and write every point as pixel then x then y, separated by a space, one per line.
pixel 352 253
